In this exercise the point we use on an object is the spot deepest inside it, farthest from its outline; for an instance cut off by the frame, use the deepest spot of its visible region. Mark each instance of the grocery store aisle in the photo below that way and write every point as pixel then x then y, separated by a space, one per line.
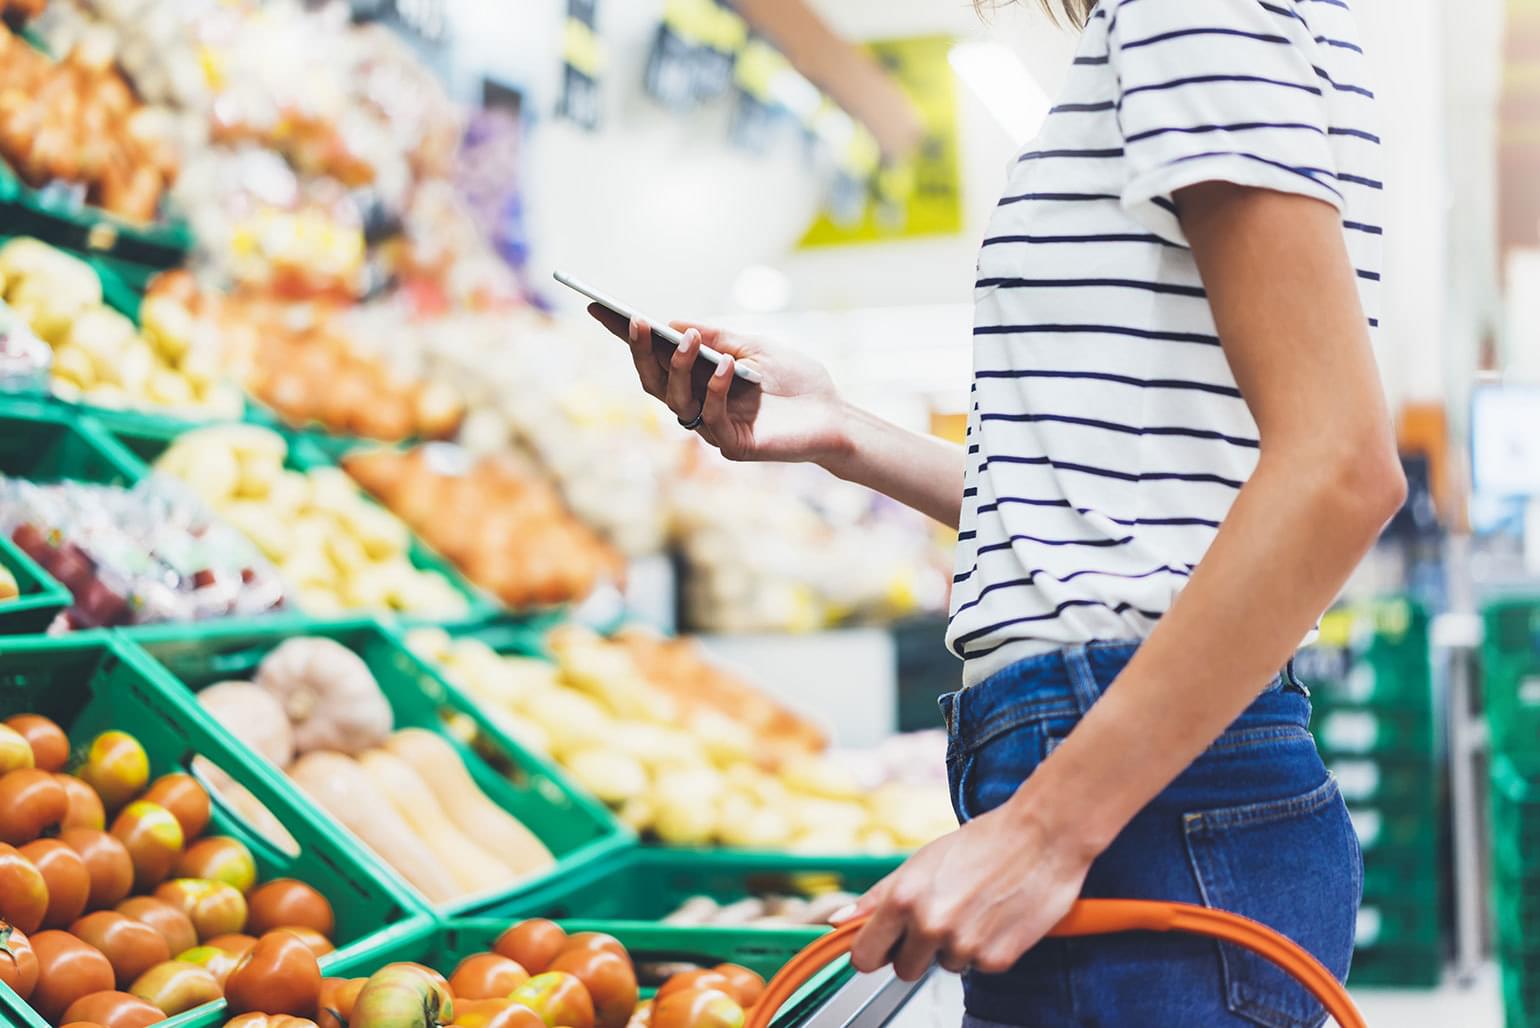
pixel 939 1005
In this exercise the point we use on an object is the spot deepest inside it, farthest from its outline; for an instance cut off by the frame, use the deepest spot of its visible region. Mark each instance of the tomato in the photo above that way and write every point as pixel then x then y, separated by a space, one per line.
pixel 557 997
pixel 319 944
pixel 486 976
pixel 18 964
pixel 23 890
pixel 338 996
pixel 697 1008
pixel 438 981
pixel 50 746
pixel 609 979
pixel 185 798
pixel 697 979
pixel 175 986
pixel 401 994
pixel 168 921
pixel 66 877
pixel 14 750
pixel 495 1013
pixel 214 908
pixel 219 962
pixel 285 902
pixel 219 858
pixel 255 1020
pixel 31 802
pixel 84 807
pixel 533 943
pixel 107 862
pixel 114 1010
pixel 235 943
pixel 746 986
pixel 130 946
pixel 153 839
pixel 81 1024
pixel 116 767
pixel 279 976
pixel 642 1018
pixel 66 970
pixel 596 940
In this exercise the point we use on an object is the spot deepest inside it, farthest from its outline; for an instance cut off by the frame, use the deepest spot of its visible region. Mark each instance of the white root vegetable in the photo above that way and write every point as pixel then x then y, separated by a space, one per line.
pixel 344 790
pixel 240 800
pixel 473 868
pixel 497 831
pixel 252 715
pixel 329 694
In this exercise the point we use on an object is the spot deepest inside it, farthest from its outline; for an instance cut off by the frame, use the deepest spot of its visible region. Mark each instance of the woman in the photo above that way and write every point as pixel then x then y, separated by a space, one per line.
pixel 1178 450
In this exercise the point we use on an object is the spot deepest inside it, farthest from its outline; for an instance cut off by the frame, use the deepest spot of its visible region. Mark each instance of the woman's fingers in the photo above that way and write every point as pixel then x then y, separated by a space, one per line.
pixel 680 391
pixel 639 335
pixel 714 410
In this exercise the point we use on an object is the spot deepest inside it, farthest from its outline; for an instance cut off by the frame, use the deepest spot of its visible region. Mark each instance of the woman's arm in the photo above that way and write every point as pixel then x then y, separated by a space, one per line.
pixel 1284 296
pixel 919 471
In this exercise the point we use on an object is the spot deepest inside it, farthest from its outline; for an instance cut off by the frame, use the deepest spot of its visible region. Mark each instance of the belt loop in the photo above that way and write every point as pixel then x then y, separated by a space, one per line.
pixel 1081 678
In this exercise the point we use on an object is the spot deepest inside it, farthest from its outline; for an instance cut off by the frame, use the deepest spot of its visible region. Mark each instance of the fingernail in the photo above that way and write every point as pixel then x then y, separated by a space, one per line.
pixel 688 338
pixel 725 368
pixel 843 914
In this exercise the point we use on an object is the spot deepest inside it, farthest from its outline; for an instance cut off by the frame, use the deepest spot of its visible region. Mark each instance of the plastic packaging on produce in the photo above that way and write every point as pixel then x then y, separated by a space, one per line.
pixel 24 358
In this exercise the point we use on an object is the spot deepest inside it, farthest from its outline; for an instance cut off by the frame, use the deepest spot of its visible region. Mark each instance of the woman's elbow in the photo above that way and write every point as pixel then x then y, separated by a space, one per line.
pixel 1369 482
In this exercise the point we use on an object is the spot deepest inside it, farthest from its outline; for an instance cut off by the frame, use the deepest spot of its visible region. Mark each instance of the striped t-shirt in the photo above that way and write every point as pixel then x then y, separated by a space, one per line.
pixel 1107 438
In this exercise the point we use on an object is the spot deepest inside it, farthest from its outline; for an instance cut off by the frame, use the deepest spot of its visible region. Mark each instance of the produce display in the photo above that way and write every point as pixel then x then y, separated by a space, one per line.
pixel 315 710
pixel 762 911
pixel 9 590
pixel 512 535
pixel 115 908
pixel 77 123
pixel 691 756
pixel 137 556
pixel 99 356
pixel 535 975
pixel 336 549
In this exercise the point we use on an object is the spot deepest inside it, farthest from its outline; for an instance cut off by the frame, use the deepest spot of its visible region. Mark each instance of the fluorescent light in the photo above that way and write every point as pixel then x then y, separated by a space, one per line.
pixel 1004 85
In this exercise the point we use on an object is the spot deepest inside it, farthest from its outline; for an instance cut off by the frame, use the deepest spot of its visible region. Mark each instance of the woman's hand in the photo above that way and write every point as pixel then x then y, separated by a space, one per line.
pixel 794 414
pixel 977 898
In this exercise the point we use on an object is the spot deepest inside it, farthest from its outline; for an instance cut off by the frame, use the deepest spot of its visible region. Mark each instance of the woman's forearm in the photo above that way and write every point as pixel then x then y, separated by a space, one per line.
pixel 919 471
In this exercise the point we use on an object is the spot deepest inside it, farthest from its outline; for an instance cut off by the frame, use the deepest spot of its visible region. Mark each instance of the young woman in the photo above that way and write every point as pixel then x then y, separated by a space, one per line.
pixel 1178 449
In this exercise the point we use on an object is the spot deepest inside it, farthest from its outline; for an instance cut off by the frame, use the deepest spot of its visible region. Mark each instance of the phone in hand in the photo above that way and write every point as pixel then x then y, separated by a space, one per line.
pixel 662 334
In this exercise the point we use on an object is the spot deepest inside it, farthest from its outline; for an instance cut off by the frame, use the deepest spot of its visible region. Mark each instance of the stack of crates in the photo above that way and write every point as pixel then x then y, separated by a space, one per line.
pixel 1371 684
pixel 1511 685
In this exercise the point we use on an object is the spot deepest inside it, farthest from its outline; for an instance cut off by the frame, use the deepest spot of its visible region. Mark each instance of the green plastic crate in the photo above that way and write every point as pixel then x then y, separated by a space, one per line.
pixel 1406 922
pixel 1521 992
pixel 1511 674
pixel 1402 967
pixel 1390 829
pixel 647 883
pixel 92 681
pixel 577 829
pixel 1516 905
pixel 45 442
pixel 1373 731
pixel 1393 780
pixel 1516 814
pixel 1402 874
pixel 42 597
pixel 444 945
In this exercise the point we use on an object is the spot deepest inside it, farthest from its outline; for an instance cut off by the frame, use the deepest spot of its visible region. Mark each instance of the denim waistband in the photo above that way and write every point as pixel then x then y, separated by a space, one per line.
pixel 1065 683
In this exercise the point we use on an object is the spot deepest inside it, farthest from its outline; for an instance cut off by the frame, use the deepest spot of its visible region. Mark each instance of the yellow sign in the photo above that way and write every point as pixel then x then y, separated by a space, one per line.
pixel 922 196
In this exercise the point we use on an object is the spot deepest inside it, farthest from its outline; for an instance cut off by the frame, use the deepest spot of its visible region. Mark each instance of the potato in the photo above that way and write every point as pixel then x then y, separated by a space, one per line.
pixel 258 522
pixel 166 388
pixel 73 365
pixel 614 778
pixel 257 475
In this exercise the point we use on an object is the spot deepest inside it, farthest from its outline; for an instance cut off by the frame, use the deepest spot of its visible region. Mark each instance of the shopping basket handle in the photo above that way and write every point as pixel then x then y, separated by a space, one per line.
pixel 1101 917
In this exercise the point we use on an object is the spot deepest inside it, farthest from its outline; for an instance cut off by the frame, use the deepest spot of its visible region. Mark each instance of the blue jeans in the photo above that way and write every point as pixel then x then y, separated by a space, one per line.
pixel 1254 826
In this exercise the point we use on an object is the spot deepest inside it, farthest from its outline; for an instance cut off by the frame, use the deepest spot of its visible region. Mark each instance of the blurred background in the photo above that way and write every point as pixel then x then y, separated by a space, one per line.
pixel 339 222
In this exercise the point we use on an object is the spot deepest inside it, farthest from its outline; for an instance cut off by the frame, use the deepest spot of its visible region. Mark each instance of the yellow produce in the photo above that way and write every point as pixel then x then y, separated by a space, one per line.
pixel 9 590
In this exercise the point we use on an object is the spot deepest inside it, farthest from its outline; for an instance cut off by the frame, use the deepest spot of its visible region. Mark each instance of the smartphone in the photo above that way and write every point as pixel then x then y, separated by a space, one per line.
pixel 662 334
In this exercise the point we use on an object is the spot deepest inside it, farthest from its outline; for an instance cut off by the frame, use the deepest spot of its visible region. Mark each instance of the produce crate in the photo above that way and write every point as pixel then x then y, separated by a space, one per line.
pixel 45 442
pixel 1511 674
pixel 1372 654
pixel 1383 829
pixel 1406 922
pixel 1516 815
pixel 1385 780
pixel 1371 731
pixel 1521 992
pixel 647 883
pixel 146 442
pixel 577 829
pixel 41 597
pixel 1392 874
pixel 90 682
pixel 1397 967
pixel 1516 903
pixel 444 945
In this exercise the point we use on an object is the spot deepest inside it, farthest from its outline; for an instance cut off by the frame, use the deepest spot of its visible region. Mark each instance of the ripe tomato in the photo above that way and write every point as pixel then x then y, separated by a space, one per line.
pixel 746 986
pixel 84 808
pixel 114 1010
pixel 495 1013
pixel 67 969
pixel 50 746
pixel 185 798
pixel 31 802
pixel 319 944
pixel 642 1018
pixel 116 767
pixel 338 996
pixel 66 877
pixel 609 979
pixel 255 1020
pixel 130 946
pixel 596 940
pixel 153 839
pixel 14 750
pixel 235 943
pixel 285 902
pixel 697 1008
pixel 402 994
pixel 175 986
pixel 697 979
pixel 218 962
pixel 533 943
pixel 279 976
pixel 486 976
pixel 168 921
pixel 219 858
pixel 107 862
pixel 23 892
pixel 559 998
pixel 18 964
pixel 214 908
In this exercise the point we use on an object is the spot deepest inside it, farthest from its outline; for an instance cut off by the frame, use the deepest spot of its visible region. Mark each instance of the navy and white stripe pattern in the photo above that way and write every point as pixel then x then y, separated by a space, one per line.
pixel 1107 438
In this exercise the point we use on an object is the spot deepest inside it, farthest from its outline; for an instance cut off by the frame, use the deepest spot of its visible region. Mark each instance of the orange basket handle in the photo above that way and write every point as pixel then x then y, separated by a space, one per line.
pixel 1102 917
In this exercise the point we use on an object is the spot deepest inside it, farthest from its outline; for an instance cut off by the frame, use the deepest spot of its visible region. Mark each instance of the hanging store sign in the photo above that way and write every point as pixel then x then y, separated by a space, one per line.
pixel 582 65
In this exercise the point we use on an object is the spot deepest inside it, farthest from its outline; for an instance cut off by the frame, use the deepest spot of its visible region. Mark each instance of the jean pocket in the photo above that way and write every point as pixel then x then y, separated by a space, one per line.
pixel 1290 864
pixel 984 776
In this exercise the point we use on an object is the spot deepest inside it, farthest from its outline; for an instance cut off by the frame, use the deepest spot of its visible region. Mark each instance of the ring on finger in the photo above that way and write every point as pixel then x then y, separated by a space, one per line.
pixel 693 423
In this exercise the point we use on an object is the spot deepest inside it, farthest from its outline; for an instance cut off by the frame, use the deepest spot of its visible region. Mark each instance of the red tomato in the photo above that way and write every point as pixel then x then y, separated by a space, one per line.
pixel 697 979
pixel 495 1013
pixel 219 858
pixel 67 969
pixel 319 944
pixel 218 962
pixel 18 964
pixel 697 1008
pixel 31 802
pixel 114 1010
pixel 116 767
pixel 153 838
pixel 185 798
pixel 284 903
pixel 338 995
pixel 85 807
pixel 107 862
pixel 176 986
pixel 746 986
pixel 559 998
pixel 214 908
pixel 279 976
pixel 50 746
pixel 609 979
pixel 65 874
pixel 238 944
pixel 596 940
pixel 130 946
pixel 23 892
pixel 642 1018
pixel 486 976
pixel 269 1021
pixel 533 943
pixel 167 920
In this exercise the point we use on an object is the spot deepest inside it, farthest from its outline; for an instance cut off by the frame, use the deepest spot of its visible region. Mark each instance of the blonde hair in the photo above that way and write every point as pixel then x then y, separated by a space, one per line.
pixel 1077 12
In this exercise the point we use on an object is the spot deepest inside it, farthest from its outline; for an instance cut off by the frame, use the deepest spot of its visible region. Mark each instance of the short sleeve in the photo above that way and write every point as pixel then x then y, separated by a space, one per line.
pixel 1224 90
